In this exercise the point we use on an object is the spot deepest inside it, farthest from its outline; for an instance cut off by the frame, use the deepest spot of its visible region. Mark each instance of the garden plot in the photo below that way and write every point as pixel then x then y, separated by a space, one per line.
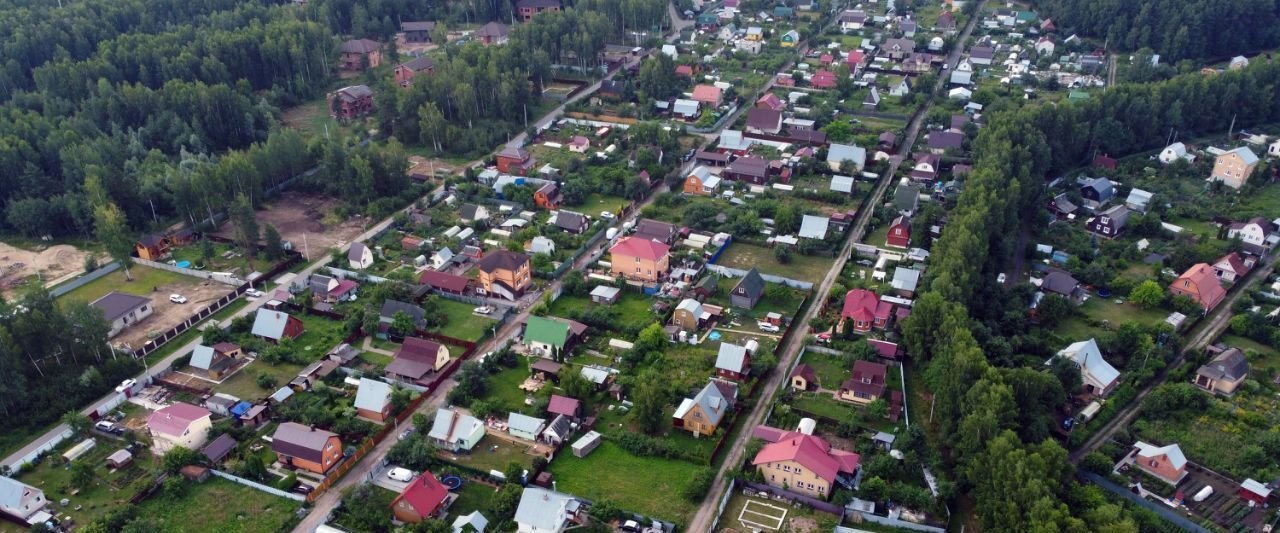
pixel 311 223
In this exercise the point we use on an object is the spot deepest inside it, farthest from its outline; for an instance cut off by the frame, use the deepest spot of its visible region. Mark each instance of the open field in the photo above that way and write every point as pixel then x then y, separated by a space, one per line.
pixel 597 202
pixel 633 312
pixel 220 505
pixel 463 323
pixel 53 264
pixel 802 267
pixel 244 384
pixel 471 497
pixel 647 485
pixel 157 285
pixel 309 222
pixel 1113 313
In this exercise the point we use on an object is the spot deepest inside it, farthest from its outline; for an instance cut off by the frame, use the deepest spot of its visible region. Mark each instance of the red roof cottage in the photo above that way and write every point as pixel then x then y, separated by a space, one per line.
pixel 823 79
pixel 423 498
pixel 803 463
pixel 1201 284
pixel 899 233
pixel 515 161
pixel 866 311
pixel 707 94
pixel 351 102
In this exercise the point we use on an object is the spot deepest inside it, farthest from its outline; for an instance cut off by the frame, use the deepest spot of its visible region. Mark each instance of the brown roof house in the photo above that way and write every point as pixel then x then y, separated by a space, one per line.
pixel 803 378
pixel 417 31
pixel 351 102
pixel 505 274
pixel 406 71
pixel 359 54
pixel 306 448
pixel 866 384
pixel 417 359
pixel 1224 373
pixel 764 120
pixel 527 9
pixel 1201 285
pixel 492 33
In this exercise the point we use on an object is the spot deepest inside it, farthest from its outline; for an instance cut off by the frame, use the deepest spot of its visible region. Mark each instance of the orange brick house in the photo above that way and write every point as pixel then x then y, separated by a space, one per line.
pixel 1201 284
pixel 514 161
pixel 1164 462
pixel 527 9
pixel 701 182
pixel 423 498
pixel 306 448
pixel 640 259
pixel 406 71
pixel 505 274
pixel 358 54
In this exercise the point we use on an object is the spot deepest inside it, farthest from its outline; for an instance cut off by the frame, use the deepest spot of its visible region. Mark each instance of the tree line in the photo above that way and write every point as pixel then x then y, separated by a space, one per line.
pixel 382 18
pixel 1177 29
pixel 994 421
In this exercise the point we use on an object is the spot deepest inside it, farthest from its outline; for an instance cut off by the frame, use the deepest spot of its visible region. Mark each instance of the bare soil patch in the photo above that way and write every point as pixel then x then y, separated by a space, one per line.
pixel 307 221
pixel 54 264
pixel 199 294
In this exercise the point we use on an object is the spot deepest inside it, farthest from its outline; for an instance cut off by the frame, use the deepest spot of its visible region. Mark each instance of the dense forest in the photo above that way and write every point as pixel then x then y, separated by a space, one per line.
pixel 1176 29
pixel 382 18
pixel 992 418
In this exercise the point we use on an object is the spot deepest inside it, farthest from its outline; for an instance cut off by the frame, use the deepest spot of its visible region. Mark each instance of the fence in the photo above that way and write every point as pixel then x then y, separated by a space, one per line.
pixel 578 117
pixel 348 274
pixel 220 277
pixel 736 273
pixel 84 280
pixel 820 505
pixel 255 485
pixel 1161 510
pixel 30 458
pixel 724 500
pixel 586 246
pixel 894 522
pixel 719 123
pixel 723 246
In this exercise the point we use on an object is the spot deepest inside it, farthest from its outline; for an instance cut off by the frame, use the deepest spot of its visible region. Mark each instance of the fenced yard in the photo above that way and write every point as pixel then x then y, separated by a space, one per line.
pixel 221 505
pixel 648 485
pixel 745 256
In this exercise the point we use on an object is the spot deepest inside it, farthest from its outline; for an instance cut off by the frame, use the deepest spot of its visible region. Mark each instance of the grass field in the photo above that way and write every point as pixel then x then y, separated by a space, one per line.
pixel 504 387
pixel 491 454
pixel 471 497
pixel 220 505
pixel 597 202
pixel 831 370
pixel 802 267
pixel 145 280
pixel 108 489
pixel 633 310
pixel 1114 313
pixel 463 323
pixel 785 306
pixel 244 384
pixel 747 513
pixel 646 485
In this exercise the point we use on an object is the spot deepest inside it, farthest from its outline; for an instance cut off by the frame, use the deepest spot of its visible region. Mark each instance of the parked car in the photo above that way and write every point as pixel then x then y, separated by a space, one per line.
pixel 400 474
pixel 406 433
pixel 177 298
pixel 483 310
pixel 607 215
pixel 253 294
pixel 767 327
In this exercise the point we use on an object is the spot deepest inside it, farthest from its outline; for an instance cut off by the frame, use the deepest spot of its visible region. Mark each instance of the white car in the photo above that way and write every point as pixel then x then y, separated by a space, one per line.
pixel 400 474
pixel 607 215
pixel 483 310
pixel 765 326
pixel 253 294
pixel 177 298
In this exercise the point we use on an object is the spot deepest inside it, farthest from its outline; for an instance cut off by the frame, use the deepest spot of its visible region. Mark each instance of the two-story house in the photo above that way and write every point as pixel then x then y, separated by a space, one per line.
pixel 417 360
pixel 306 448
pixel 1224 373
pixel 1099 377
pixel 864 310
pixel 702 414
pixel 405 72
pixel 1200 284
pixel 1109 223
pixel 1164 462
pixel 22 501
pixel 733 361
pixel 1253 233
pixel 865 385
pixel 527 9
pixel 505 274
pixel 640 259
pixel 803 463
pixel 351 102
pixel 178 424
pixel 359 54
pixel 1234 167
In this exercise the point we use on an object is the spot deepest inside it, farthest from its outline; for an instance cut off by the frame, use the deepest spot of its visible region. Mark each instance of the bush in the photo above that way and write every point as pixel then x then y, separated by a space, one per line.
pixel 266 381
pixel 700 484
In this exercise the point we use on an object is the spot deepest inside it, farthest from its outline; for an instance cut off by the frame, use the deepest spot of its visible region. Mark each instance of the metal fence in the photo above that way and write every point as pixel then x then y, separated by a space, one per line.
pixel 84 280
pixel 738 273
pixel 255 485
pixel 220 277
pixel 821 505
pixel 724 500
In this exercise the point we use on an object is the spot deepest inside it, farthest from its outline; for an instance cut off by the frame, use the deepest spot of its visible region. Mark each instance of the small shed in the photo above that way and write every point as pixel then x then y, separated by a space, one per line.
pixel 585 445
pixel 195 473
pixel 120 458
pixel 605 294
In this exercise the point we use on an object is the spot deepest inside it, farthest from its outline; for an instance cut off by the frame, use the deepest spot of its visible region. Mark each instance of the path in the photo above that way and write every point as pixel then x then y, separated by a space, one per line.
pixel 1217 321
pixel 369 347
pixel 792 346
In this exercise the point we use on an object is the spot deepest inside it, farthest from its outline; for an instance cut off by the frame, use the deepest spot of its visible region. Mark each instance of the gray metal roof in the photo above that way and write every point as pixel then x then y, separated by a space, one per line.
pixel 372 395
pixel 117 304
pixel 543 510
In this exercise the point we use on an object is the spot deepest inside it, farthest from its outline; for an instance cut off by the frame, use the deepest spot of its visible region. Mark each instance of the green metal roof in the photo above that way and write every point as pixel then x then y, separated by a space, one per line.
pixel 547 331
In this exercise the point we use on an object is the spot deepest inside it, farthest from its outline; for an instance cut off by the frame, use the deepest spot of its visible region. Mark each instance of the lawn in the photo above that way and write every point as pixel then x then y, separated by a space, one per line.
pixel 244 384
pixel 320 336
pixel 491 453
pixel 597 202
pixel 633 310
pixel 471 497
pixel 504 387
pixel 107 491
pixel 145 281
pixel 777 299
pixel 877 237
pixel 218 264
pixel 221 505
pixel 1116 314
pixel 830 369
pixel 802 267
pixel 463 323
pixel 770 515
pixel 646 485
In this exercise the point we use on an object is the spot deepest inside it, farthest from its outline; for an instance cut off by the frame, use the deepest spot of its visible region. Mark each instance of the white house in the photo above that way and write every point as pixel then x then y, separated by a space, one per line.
pixel 475 520
pixel 1045 46
pixel 839 153
pixel 360 256
pixel 670 50
pixel 524 426
pixel 1254 232
pixel 1175 152
pixel 179 424
pixel 454 431
pixel 545 511
pixel 960 93
pixel 123 310
pixel 23 501
pixel 542 245
pixel 1098 375
pixel 1138 200
pixel 902 88
pixel 441 258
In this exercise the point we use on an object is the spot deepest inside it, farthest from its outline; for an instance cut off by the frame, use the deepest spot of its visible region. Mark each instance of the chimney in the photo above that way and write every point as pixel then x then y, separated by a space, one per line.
pixel 553 487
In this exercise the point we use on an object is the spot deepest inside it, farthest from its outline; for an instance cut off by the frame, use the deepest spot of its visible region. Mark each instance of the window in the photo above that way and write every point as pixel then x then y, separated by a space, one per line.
pixel 821 489
pixel 786 468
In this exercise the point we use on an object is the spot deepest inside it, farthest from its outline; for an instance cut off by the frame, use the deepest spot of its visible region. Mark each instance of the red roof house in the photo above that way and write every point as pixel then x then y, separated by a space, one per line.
pixel 563 405
pixel 771 101
pixel 424 498
pixel 514 161
pixel 823 79
pixel 639 258
pixel 443 281
pixel 804 463
pixel 856 59
pixel 866 384
pixel 886 349
pixel 684 70
pixel 899 233
pixel 1201 284
pixel 862 307
pixel 707 94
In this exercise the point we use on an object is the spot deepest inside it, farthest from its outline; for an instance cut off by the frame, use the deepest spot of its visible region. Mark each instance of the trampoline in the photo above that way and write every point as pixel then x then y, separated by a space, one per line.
pixel 184 264
pixel 714 335
pixel 452 482
pixel 1104 293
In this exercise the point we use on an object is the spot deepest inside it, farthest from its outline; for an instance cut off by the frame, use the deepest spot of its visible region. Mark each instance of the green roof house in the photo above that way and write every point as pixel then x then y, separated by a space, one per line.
pixel 545 337
pixel 783 12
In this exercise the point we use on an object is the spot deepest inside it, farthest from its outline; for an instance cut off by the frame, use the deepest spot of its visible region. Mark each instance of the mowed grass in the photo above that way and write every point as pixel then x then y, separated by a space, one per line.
pixel 244 384
pixel 830 369
pixel 1115 314
pixel 597 202
pixel 221 505
pixel 633 310
pixel 463 323
pixel 492 453
pixel 646 485
pixel 145 281
pixel 802 267
pixel 471 497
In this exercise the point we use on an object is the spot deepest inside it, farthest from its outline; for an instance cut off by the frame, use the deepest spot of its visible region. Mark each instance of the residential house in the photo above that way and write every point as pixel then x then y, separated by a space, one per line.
pixel 981 55
pixel 771 102
pixel 1200 284
pixel 702 414
pixel 962 74
pixel 690 315
pixel 908 28
pixel 541 245
pixel 552 337
pixel 852 20
pixel 685 109
pixel 527 9
pixel 946 22
pixel 803 378
pixel 525 427
pixel 405 72
pixel 272 326
pixel 1097 192
pixel 444 282
pixel 905 281
pixel 701 182
pixel 557 432
pixel 179 424
pixel 565 406
pixel 902 88
pixel 865 310
pixel 806 464
pixel 423 498
pixel 754 33
pixel 751 169
pixel 492 33
pixel 350 102
pixel 373 400
pixel 359 54
pixel 906 197
pixel 605 295
pixel 219 448
pixel 512 160
pixel 306 448
pixel 886 349
pixel 749 290
pixel 1224 373
pixel 215 361
pixel 359 256
pixel 1063 284
pixel 1109 223
pixel 656 231
pixel 505 274
pixel 873 98
pixel 579 144
pixel 391 308
pixel 823 79
pixel 1098 376
pixel 764 120
pixel 1252 233
pixel 1062 207
pixel 1234 167
pixel 898 48
pixel 1138 200
pixel 1232 266
pixel 916 63
pixel 152 247
pixel 548 196
pixel 547 511
pixel 122 310
pixel 1101 160
pixel 1174 152
pixel 575 223
pixel 1164 462
pixel 888 142
pixel 1045 46
pixel 926 168
pixel 865 385
pixel 899 233
pixel 416 360
pixel 733 362
pixel 455 432
pixel 941 141
pixel 417 31
pixel 640 259
pixel 814 227
pixel 709 95
pixel 23 502
pixel 837 154
pixel 472 213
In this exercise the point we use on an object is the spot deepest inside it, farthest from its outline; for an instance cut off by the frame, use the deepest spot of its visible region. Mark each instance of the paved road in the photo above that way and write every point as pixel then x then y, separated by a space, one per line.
pixel 1216 323
pixel 792 347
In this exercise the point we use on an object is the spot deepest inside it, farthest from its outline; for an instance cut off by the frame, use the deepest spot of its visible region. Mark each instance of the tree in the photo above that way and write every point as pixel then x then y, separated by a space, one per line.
pixel 178 457
pixel 206 251
pixel 782 253
pixel 1053 309
pixel 77 423
pixel 650 399
pixel 877 409
pixel 1147 294
pixel 273 246
pixel 505 500
pixel 113 233
pixel 246 226
pixel 575 385
pixel 82 474
pixel 402 325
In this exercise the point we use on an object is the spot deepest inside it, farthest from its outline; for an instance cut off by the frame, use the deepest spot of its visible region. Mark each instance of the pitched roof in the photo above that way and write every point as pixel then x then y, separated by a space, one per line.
pixel 544 510
pixel 218 449
pixel 525 423
pixel 296 440
pixel 731 357
pixel 476 520
pixel 359 46
pixel 173 420
pixel 117 304
pixel 1245 154
pixel 655 230
pixel 1201 274
pixel 842 184
pixel 202 357
pixel 492 29
pixel 11 491
pixel 450 426
pixel 838 153
pixel 706 93
pixel 711 399
pixel 419 64
pixel 942 140
pixel 444 281
pixel 502 260
pixel 749 165
pixel 424 494
pixel 641 248
pixel 1089 358
pixel 1231 260
pixel 270 324
pixel 372 395
pixel 888 350
pixel 391 307
pixel 1060 282
pixel 805 371
pixel 415 358
pixel 905 279
pixel 867 378
pixel 1176 458
pixel 765 119
pixel 546 331
pixel 563 405
pixel 814 227
pixel 559 426
pixel 426 25
pixel 1230 365
pixel 811 452
pixel 570 221
pixel 860 305
pixel 752 283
